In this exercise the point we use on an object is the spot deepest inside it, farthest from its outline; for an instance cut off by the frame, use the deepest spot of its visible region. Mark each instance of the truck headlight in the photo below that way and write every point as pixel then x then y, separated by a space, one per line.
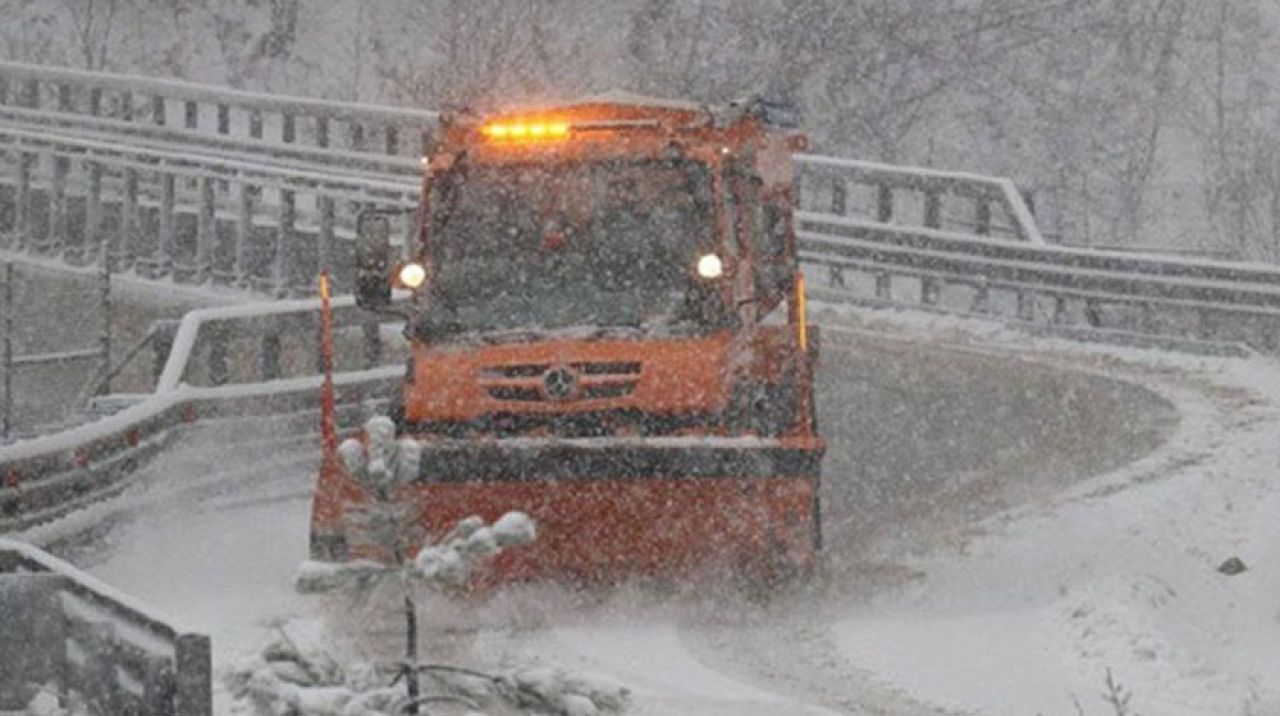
pixel 412 275
pixel 710 266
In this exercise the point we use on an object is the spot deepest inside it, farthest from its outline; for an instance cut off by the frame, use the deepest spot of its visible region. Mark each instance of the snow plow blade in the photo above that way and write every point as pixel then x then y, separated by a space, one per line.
pixel 608 509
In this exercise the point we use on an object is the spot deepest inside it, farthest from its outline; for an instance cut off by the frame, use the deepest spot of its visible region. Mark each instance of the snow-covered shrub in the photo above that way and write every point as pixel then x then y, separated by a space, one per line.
pixel 49 701
pixel 292 679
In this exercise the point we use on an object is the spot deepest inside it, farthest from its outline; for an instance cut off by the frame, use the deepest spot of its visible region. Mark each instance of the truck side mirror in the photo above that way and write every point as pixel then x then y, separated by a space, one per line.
pixel 373 261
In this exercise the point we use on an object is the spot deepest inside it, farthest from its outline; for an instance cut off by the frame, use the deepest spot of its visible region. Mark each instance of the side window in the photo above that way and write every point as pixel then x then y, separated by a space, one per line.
pixel 775 231
pixel 769 241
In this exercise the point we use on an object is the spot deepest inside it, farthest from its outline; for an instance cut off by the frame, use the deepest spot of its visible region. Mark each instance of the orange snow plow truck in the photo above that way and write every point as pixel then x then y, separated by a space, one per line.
pixel 607 326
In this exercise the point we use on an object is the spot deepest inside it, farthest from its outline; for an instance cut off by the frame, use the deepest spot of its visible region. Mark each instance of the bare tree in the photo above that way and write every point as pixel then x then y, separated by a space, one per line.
pixel 479 52
pixel 91 24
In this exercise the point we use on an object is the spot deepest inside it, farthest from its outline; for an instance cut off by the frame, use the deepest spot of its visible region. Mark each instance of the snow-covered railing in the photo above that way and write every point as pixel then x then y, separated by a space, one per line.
pixel 249 359
pixel 167 210
pixel 1178 300
pixel 266 118
pixel 916 196
pixel 68 629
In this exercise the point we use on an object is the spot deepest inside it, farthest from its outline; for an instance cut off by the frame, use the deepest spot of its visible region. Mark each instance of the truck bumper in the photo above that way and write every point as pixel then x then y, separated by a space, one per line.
pixel 607 509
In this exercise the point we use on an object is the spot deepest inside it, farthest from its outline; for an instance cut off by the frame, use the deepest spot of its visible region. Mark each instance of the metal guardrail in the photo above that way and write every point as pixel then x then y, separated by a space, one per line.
pixel 167 211
pixel 250 359
pixel 991 206
pixel 217 110
pixel 1178 299
pixel 65 627
pixel 195 182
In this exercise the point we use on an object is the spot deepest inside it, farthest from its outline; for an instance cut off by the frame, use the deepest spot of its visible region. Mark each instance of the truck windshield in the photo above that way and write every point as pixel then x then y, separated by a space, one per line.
pixel 543 247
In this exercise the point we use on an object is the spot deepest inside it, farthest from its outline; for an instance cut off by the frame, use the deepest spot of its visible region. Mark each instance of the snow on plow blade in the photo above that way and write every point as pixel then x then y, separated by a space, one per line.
pixel 609 508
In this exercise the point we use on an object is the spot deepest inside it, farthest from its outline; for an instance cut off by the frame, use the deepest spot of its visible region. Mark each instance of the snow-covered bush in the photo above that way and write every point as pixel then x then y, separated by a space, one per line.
pixel 50 701
pixel 381 463
pixel 293 677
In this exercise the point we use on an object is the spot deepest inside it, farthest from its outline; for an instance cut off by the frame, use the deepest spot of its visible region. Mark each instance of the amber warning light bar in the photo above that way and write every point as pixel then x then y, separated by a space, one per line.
pixel 532 131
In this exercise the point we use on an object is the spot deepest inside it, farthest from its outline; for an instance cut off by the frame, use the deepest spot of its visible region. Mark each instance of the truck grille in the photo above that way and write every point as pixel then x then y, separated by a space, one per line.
pixel 566 382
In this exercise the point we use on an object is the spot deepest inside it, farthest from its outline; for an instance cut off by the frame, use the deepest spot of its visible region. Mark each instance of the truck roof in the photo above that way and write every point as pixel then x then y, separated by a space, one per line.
pixel 622 106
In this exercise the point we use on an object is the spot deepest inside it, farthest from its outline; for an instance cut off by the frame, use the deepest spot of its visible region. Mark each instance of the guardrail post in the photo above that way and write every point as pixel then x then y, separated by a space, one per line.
pixel 244 234
pixel 930 290
pixel 372 331
pixel 884 286
pixel 1204 324
pixel 981 296
pixel 31 94
pixel 191 114
pixel 130 222
pixel 1029 198
pixel 932 210
pixel 1026 306
pixel 158 687
pixel 284 241
pixel 56 227
pixel 884 203
pixel 288 128
pixel 1147 318
pixel 158 266
pixel 392 143
pixel 1270 337
pixel 158 111
pixel 324 238
pixel 1059 311
pixel 22 201
pixel 982 216
pixel 1092 312
pixel 4 90
pixel 101 689
pixel 839 197
pixel 269 354
pixel 355 136
pixel 255 124
pixel 33 650
pixel 104 333
pixel 219 350
pixel 194 676
pixel 224 119
pixel 206 235
pixel 322 131
pixel 410 236
pixel 93 236
pixel 162 336
pixel 835 275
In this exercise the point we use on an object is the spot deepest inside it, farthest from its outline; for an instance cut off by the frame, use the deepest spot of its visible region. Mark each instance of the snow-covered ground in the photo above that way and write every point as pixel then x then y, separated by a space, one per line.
pixel 1075 546
pixel 1119 572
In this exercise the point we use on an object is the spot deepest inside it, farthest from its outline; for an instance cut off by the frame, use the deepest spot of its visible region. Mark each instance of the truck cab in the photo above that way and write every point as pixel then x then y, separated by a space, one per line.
pixel 610 267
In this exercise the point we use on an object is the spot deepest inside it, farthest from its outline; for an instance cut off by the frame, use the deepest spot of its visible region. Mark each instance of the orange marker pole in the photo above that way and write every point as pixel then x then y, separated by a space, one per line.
pixel 328 411
pixel 326 508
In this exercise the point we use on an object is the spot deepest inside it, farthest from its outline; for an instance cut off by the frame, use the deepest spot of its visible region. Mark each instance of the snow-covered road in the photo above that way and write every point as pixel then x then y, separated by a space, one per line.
pixel 1005 519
